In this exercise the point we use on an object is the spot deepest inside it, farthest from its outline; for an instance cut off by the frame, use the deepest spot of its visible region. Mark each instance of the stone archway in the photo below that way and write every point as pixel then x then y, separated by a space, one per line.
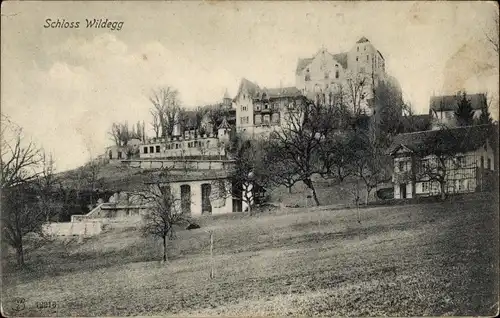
pixel 206 205
pixel 186 199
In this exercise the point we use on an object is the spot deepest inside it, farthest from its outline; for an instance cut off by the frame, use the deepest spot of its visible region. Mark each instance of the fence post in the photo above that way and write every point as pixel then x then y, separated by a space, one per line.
pixel 212 271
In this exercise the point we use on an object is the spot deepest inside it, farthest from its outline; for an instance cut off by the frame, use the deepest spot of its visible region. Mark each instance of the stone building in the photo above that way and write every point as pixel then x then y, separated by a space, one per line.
pixel 326 73
pixel 262 110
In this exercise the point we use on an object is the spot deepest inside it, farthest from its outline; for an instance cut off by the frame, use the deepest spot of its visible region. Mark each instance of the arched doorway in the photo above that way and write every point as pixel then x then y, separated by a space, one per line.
pixel 186 198
pixel 206 206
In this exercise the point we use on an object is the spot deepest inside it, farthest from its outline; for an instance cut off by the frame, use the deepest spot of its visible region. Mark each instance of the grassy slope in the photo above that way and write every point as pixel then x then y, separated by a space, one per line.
pixel 435 259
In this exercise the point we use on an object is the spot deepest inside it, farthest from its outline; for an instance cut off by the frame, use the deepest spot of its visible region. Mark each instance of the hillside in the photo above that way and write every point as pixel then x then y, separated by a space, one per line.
pixel 432 259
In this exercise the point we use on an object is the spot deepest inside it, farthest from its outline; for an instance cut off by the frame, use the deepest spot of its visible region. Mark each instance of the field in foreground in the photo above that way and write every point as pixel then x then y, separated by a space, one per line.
pixel 432 259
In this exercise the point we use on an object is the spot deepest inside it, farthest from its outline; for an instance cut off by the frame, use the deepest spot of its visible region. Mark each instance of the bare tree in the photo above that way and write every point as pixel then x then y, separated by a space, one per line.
pixel 492 35
pixel 19 159
pixel 369 162
pixel 355 92
pixel 441 157
pixel 20 167
pixel 91 174
pixel 45 185
pixel 248 175
pixel 164 210
pixel 166 107
pixel 120 133
pixel 298 141
pixel 155 122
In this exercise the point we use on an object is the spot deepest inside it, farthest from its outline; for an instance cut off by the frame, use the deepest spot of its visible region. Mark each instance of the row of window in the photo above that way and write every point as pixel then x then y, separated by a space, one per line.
pixel 266 119
pixel 307 77
pixel 151 149
pixel 245 120
pixel 459 161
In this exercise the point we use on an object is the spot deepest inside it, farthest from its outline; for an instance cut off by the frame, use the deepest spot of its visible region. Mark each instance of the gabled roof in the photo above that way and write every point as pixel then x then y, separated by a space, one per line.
pixel 363 40
pixel 303 63
pixel 249 86
pixel 224 124
pixel 461 139
pixel 450 102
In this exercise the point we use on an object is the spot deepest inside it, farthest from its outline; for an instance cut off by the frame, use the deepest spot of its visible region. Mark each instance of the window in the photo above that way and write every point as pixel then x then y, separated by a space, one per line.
pixel 365 48
pixel 336 74
pixel 401 166
pixel 368 58
pixel 176 146
pixel 275 118
pixel 308 76
pixel 356 58
pixel 244 108
pixel 257 107
pixel 151 149
pixel 145 149
pixel 266 119
pixel 358 48
pixel 157 148
pixel 258 119
pixel 489 164
pixel 425 187
pixel 266 106
pixel 461 185
pixel 482 162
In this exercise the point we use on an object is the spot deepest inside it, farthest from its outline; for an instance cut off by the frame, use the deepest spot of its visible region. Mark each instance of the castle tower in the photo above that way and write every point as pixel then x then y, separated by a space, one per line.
pixel 226 100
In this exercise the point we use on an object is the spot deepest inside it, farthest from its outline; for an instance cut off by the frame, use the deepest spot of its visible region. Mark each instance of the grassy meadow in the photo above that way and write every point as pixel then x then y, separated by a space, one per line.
pixel 410 260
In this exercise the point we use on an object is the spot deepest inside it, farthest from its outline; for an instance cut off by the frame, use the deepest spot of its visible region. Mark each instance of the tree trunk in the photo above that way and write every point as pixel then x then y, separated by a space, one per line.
pixel 289 189
pixel 165 248
pixel 443 187
pixel 310 185
pixel 20 255
pixel 368 191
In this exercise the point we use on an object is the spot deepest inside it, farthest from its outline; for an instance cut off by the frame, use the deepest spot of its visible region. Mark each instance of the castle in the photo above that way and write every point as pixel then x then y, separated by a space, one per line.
pixel 356 74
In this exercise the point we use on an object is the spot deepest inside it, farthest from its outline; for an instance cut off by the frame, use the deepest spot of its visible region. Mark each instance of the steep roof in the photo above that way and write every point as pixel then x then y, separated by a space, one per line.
pixel 303 63
pixel 224 124
pixel 282 92
pixel 249 86
pixel 461 139
pixel 450 102
pixel 363 40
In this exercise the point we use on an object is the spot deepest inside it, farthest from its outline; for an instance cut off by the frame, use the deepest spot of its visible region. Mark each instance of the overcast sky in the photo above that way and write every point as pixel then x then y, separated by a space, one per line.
pixel 66 86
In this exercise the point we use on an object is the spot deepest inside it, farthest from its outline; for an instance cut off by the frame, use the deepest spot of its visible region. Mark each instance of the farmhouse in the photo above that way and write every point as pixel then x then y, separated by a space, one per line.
pixel 433 162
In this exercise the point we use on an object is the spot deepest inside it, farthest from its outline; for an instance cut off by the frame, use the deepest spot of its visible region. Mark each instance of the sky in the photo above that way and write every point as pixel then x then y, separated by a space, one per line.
pixel 66 86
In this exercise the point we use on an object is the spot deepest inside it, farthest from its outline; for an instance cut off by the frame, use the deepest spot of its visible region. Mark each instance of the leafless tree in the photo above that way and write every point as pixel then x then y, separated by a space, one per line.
pixel 355 92
pixel 248 175
pixel 20 166
pixel 20 159
pixel 298 141
pixel 120 133
pixel 164 210
pixel 492 35
pixel 91 172
pixel 369 162
pixel 166 107
pixel 441 157
pixel 46 184
pixel 155 122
